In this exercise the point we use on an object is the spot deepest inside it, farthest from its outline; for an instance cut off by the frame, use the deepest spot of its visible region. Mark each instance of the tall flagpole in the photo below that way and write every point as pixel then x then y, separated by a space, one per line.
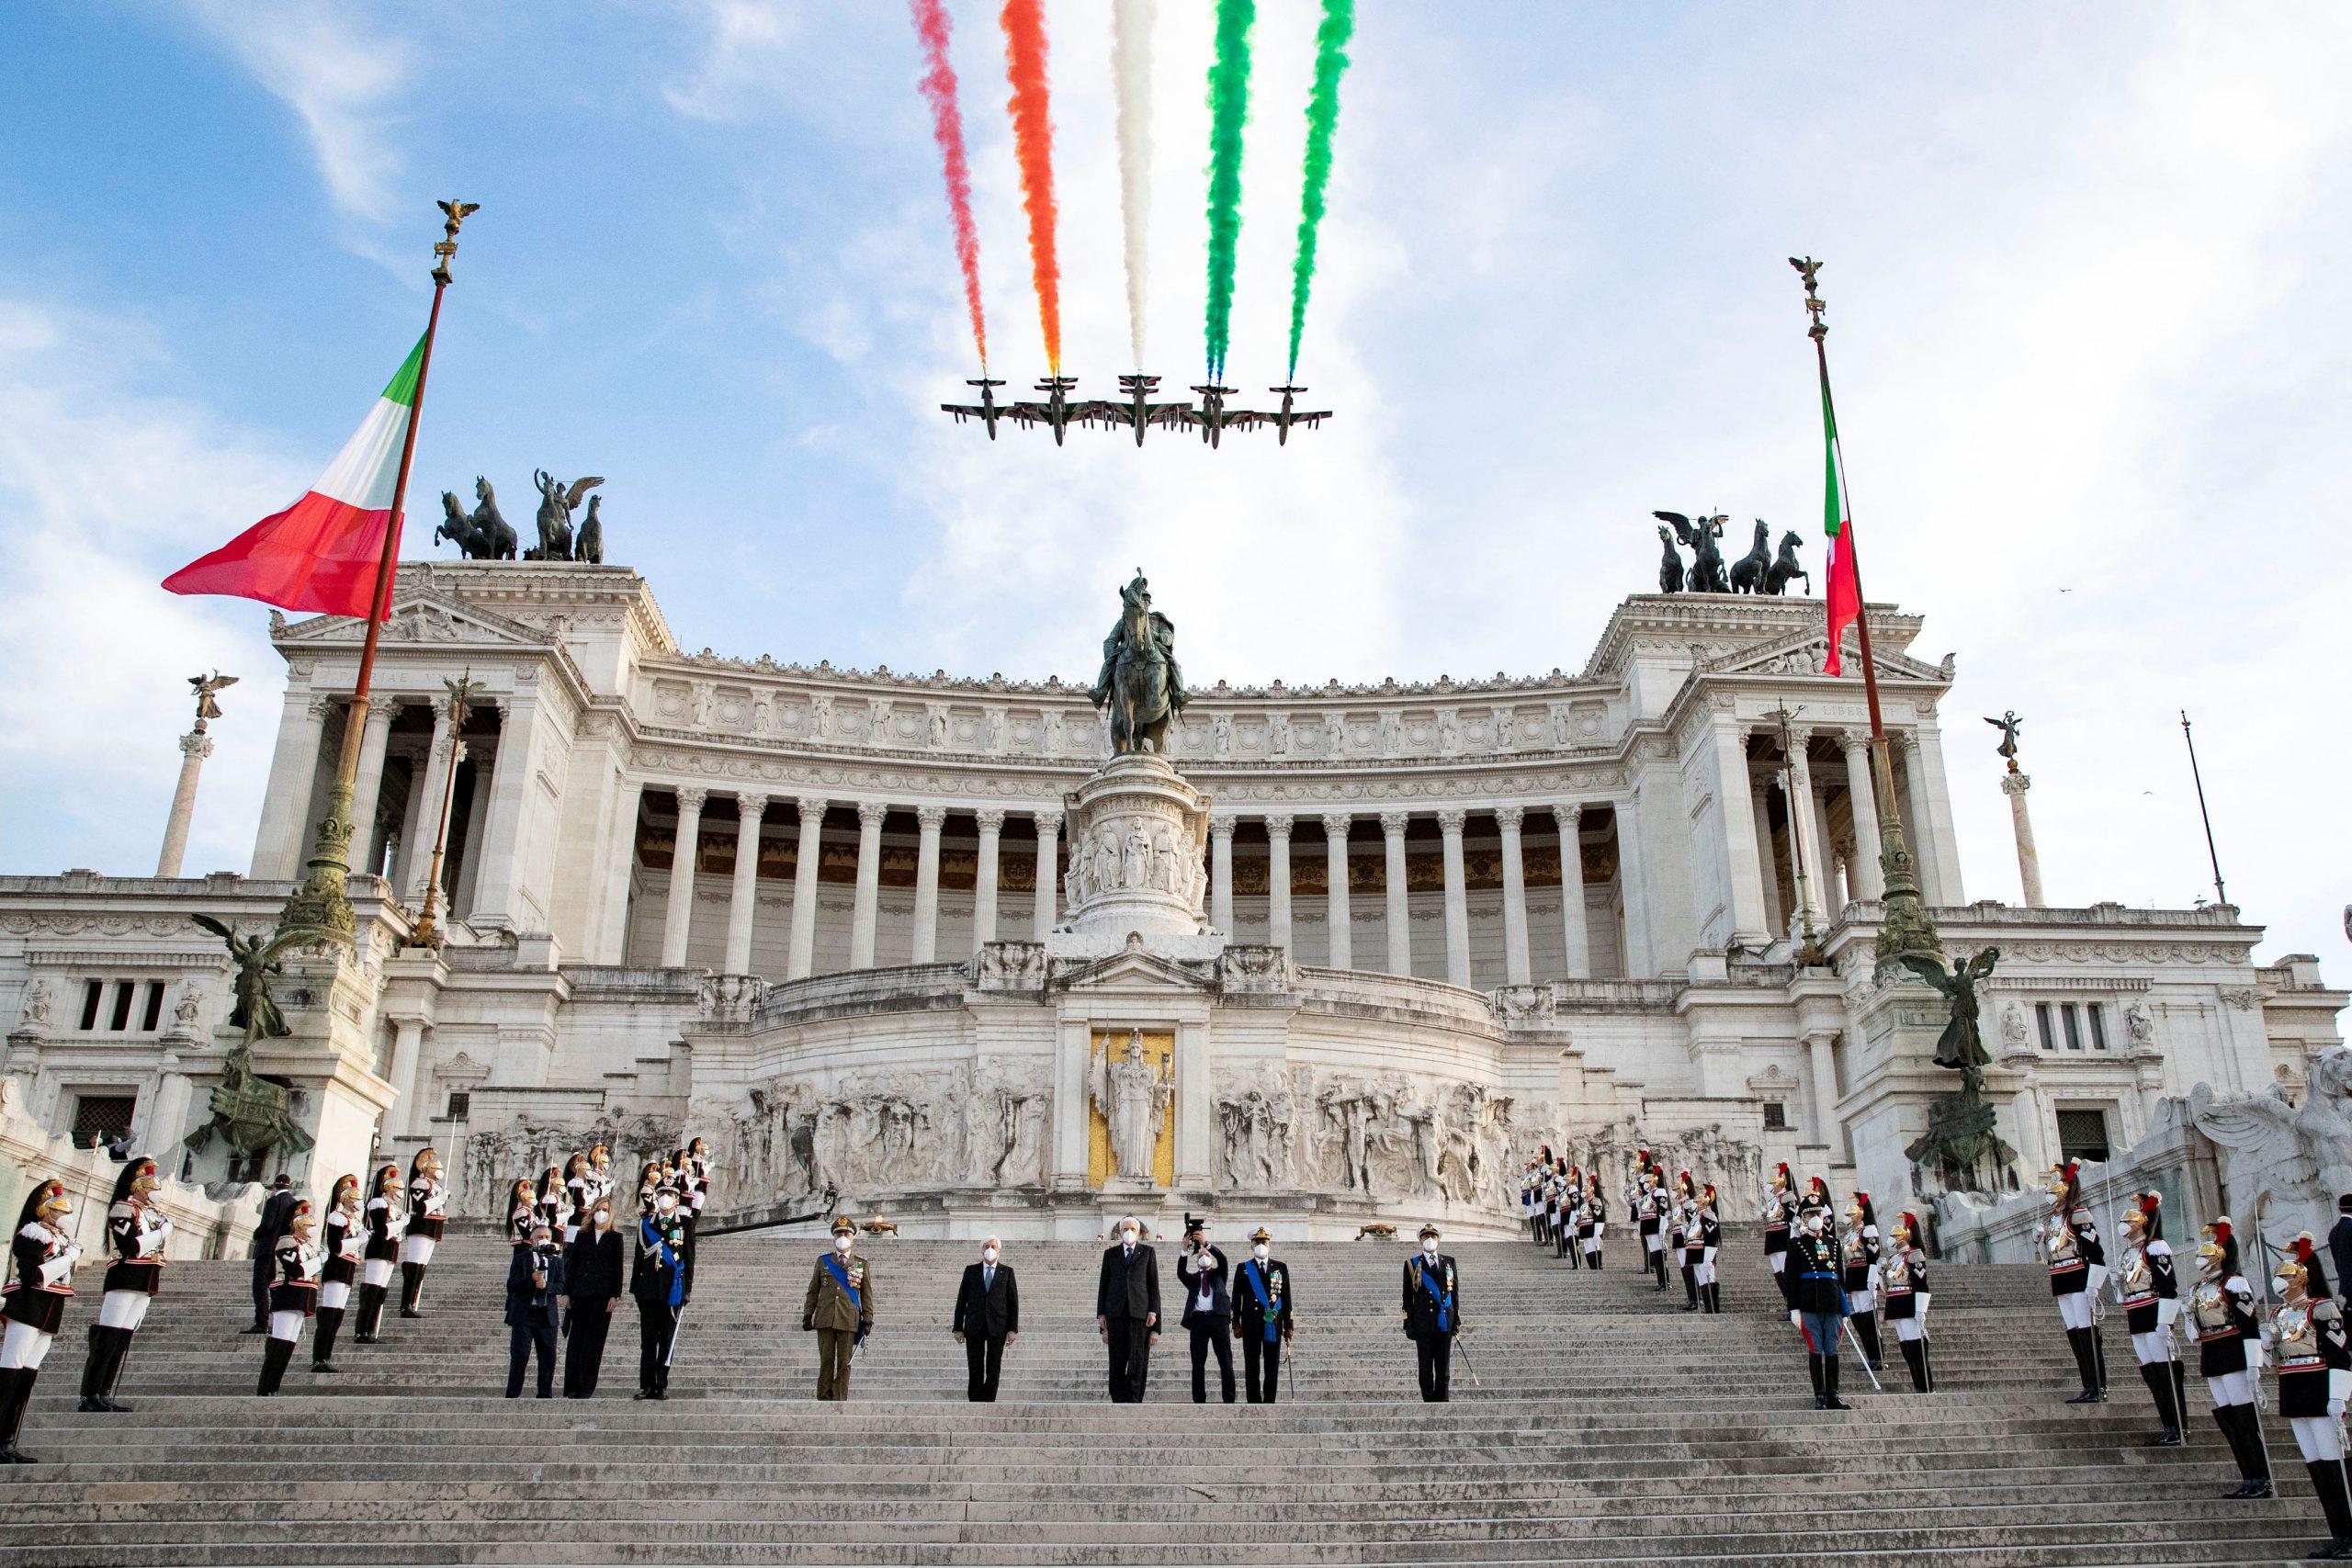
pixel 321 906
pixel 1906 927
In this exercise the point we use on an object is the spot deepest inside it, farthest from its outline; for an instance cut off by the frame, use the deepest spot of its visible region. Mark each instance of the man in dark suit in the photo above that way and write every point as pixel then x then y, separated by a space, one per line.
pixel 988 1318
pixel 1208 1307
pixel 1261 1316
pixel 1126 1309
pixel 534 1303
pixel 2339 1244
pixel 276 1219
pixel 1433 1315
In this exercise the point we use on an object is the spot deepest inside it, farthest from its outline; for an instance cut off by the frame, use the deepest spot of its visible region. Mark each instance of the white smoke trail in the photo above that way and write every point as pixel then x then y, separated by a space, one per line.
pixel 1131 74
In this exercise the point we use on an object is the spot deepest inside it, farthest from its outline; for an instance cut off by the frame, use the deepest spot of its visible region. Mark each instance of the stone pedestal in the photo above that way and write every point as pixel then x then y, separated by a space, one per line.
pixel 1138 840
pixel 195 746
pixel 1887 1098
pixel 2014 784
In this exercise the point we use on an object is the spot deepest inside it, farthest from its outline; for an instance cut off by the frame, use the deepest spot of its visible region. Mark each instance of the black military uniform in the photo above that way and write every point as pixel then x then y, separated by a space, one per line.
pixel 1649 1204
pixel 1592 1221
pixel 136 1231
pixel 1202 1274
pixel 656 1279
pixel 1433 1315
pixel 1780 1212
pixel 1859 1249
pixel 428 1203
pixel 1262 1303
pixel 1902 1290
pixel 1819 1306
pixel 2221 1310
pixel 1571 1205
pixel 32 1304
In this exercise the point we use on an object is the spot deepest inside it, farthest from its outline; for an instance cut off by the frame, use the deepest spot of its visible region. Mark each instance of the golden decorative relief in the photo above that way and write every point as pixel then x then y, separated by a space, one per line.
pixel 1159 1050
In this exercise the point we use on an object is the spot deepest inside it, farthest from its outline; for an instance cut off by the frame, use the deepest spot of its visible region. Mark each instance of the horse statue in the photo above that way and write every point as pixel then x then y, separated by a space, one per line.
pixel 557 502
pixel 484 535
pixel 1670 571
pixel 1748 574
pixel 589 544
pixel 1699 537
pixel 1140 683
pixel 1784 566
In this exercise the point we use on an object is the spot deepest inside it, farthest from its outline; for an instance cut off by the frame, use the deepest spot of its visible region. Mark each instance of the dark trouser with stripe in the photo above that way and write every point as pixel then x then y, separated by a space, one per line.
pixel 657 1324
pixel 1261 1367
pixel 1436 1367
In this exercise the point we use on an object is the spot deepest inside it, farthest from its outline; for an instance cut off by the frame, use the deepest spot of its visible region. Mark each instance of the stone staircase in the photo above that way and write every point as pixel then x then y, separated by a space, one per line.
pixel 1607 1425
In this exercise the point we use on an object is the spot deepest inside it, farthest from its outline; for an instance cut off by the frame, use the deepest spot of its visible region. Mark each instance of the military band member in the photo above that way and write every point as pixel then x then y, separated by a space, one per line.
pixel 1819 1304
pixel 1203 1275
pixel 2148 1290
pixel 839 1308
pixel 293 1297
pixel 656 1279
pixel 521 1212
pixel 2308 1344
pixel 1592 1221
pixel 136 1230
pixel 1261 1318
pixel 1433 1315
pixel 1858 1248
pixel 32 1304
pixel 2077 1263
pixel 342 1241
pixel 386 1220
pixel 428 1205
pixel 1903 1286
pixel 1778 1213
pixel 1126 1310
pixel 1709 1238
pixel 2229 1354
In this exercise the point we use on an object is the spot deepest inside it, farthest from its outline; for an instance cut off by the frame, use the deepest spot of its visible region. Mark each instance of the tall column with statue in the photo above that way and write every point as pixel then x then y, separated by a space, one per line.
pixel 2014 784
pixel 195 746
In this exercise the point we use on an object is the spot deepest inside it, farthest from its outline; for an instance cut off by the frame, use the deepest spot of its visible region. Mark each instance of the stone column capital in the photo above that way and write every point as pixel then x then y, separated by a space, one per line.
pixel 1510 817
pixel 871 812
pixel 1569 815
pixel 381 711
pixel 930 818
pixel 321 706
pixel 1394 823
pixel 811 808
pixel 2016 783
pixel 752 807
pixel 1336 823
pixel 990 821
pixel 1857 743
pixel 1279 827
pixel 1048 822
pixel 690 801
pixel 1449 821
pixel 196 744
pixel 1221 827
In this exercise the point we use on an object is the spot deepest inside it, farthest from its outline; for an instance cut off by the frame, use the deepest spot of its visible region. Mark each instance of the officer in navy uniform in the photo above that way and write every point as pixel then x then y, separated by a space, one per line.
pixel 1819 1299
pixel 1203 1275
pixel 1261 1316
pixel 656 1279
pixel 136 1231
pixel 2308 1342
pixel 2148 1290
pixel 1433 1315
pixel 32 1306
pixel 2221 1311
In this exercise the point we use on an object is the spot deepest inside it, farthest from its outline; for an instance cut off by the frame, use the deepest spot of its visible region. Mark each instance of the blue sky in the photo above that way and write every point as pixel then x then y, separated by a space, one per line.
pixel 2088 272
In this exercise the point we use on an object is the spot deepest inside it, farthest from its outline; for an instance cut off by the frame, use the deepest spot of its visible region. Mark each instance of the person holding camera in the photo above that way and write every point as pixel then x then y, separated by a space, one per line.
pixel 534 1303
pixel 1202 1274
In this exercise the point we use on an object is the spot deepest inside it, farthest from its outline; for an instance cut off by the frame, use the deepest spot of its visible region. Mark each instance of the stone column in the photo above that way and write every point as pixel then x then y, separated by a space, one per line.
pixel 1572 911
pixel 1398 896
pixel 433 780
pixel 1804 825
pixel 1049 876
pixel 476 830
pixel 743 898
pixel 868 904
pixel 368 787
pixel 612 945
pixel 1221 874
pixel 1768 864
pixel 283 841
pixel 1278 881
pixel 167 1114
pixel 1827 900
pixel 984 879
pixel 1928 748
pixel 408 1038
pixel 1516 968
pixel 807 858
pixel 1335 868
pixel 2014 784
pixel 195 746
pixel 495 890
pixel 929 821
pixel 1458 899
pixel 1639 962
pixel 1868 882
pixel 678 915
pixel 1918 830
pixel 1823 1049
pixel 1742 859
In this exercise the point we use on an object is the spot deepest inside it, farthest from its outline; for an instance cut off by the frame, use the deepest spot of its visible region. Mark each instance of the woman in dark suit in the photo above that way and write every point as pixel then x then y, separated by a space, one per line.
pixel 592 1265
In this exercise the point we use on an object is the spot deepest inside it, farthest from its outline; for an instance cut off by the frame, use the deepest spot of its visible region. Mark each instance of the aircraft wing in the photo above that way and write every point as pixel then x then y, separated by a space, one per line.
pixel 1311 419
pixel 1100 413
pixel 965 410
pixel 1028 414
pixel 1166 414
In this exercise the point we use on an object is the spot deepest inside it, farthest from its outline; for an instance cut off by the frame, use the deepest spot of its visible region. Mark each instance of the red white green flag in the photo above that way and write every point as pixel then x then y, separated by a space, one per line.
pixel 322 553
pixel 1845 596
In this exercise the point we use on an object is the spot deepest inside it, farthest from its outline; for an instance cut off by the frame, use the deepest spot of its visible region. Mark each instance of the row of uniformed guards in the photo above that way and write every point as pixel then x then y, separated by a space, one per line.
pixel 1565 1209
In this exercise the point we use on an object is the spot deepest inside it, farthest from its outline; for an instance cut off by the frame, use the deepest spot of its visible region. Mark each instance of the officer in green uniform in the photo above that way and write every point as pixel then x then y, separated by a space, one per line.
pixel 839 1309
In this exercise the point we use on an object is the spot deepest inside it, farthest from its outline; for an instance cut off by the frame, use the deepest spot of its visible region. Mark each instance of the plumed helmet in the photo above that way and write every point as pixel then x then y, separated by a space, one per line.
pixel 343 1184
pixel 2220 1251
pixel 576 1166
pixel 1859 1209
pixel 2064 1179
pixel 2305 1254
pixel 426 1163
pixel 131 1176
pixel 1781 1179
pixel 48 1197
pixel 299 1214
pixel 1906 1226
pixel 2145 1216
pixel 387 1179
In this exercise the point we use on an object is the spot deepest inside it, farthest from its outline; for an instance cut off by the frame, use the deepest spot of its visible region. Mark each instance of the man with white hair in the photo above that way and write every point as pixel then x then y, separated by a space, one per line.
pixel 988 1318
pixel 1126 1309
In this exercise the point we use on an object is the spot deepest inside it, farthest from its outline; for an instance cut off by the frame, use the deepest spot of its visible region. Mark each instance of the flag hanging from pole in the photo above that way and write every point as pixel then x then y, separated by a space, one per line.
pixel 1844 597
pixel 322 553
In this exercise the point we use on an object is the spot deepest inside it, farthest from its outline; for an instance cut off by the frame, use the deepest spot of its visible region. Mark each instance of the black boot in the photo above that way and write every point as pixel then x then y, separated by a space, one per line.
pixel 1812 1369
pixel 2257 1456
pixel 411 1288
pixel 1866 1330
pixel 2157 1375
pixel 371 1314
pixel 2098 1357
pixel 1829 1385
pixel 1916 1362
pixel 2236 1422
pixel 15 1393
pixel 2080 1340
pixel 2334 1504
pixel 323 1348
pixel 93 1369
pixel 1596 1258
pixel 1690 1289
pixel 274 1358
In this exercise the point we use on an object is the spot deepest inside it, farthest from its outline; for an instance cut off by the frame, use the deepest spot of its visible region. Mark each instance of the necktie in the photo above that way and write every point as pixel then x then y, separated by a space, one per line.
pixel 987 1278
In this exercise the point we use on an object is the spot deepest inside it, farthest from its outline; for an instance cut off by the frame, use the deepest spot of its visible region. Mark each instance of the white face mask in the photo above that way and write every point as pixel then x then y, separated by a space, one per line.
pixel 604 1218
pixel 1259 1251
pixel 2279 1284
pixel 1127 1236
pixel 988 1255
pixel 1430 1246
pixel 667 1203
pixel 840 1243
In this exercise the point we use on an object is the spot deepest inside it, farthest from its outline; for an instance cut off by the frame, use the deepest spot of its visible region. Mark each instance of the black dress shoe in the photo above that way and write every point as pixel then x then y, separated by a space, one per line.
pixel 93 1405
pixel 407 1313
pixel 328 1367
pixel 642 1394
pixel 111 1408
pixel 257 1329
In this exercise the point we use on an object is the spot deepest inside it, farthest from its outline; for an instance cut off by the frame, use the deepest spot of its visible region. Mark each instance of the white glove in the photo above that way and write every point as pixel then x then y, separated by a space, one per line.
pixel 1796 1318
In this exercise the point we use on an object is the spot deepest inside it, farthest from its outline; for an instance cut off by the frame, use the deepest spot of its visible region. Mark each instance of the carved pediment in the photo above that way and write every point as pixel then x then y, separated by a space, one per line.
pixel 421 617
pixel 1805 653
pixel 1126 970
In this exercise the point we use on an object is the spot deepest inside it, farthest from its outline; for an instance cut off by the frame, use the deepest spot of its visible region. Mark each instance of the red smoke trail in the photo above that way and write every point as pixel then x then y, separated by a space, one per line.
pixel 947 126
pixel 1033 142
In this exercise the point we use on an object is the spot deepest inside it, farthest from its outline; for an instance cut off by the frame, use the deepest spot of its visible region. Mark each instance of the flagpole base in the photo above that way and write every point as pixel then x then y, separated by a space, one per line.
pixel 323 904
pixel 1907 927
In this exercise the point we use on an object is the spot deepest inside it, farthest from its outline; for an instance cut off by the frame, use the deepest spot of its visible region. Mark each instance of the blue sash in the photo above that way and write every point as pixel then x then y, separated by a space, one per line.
pixel 1251 1272
pixel 1443 1298
pixel 650 1236
pixel 841 1277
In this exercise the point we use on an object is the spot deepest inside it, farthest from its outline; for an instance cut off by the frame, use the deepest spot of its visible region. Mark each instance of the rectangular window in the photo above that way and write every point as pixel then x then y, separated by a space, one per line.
pixel 2082 1134
pixel 2074 1026
pixel 2041 1017
pixel 461 1102
pixel 1776 1116
pixel 101 1117
pixel 94 993
pixel 124 992
pixel 2098 1015
pixel 155 1011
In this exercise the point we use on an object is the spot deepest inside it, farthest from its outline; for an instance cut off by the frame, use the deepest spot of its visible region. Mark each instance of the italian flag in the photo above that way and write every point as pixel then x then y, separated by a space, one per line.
pixel 1845 596
pixel 322 553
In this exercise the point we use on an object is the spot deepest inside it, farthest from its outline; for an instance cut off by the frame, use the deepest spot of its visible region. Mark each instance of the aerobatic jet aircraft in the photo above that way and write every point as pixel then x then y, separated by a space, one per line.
pixel 1284 419
pixel 1138 411
pixel 986 411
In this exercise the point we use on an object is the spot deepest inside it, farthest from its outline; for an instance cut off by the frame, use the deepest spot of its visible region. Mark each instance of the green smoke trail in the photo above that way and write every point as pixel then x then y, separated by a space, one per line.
pixel 1228 111
pixel 1338 25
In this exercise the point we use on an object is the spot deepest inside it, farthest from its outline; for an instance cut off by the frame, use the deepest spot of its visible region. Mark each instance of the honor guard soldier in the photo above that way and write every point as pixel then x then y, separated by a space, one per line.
pixel 521 1212
pixel 2221 1310
pixel 386 1220
pixel 1528 1214
pixel 2149 1292
pixel 656 1279
pixel 136 1230
pixel 578 1197
pixel 428 1206
pixel 293 1297
pixel 548 1202
pixel 2077 1263
pixel 1778 1213
pixel 1202 1275
pixel 600 1175
pixel 2308 1344
pixel 1649 1209
pixel 1261 1316
pixel 1859 1251
pixel 1820 1303
pixel 1433 1315
pixel 1592 1221
pixel 839 1308
pixel 1903 1286
pixel 1571 1208
pixel 694 1191
pixel 32 1304
pixel 1707 1233
pixel 1684 1239
pixel 342 1241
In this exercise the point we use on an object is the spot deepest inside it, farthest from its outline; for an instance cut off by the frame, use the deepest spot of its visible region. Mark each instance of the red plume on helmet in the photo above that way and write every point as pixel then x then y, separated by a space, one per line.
pixel 1910 1223
pixel 1784 1169
pixel 2152 1219
pixel 2314 1275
